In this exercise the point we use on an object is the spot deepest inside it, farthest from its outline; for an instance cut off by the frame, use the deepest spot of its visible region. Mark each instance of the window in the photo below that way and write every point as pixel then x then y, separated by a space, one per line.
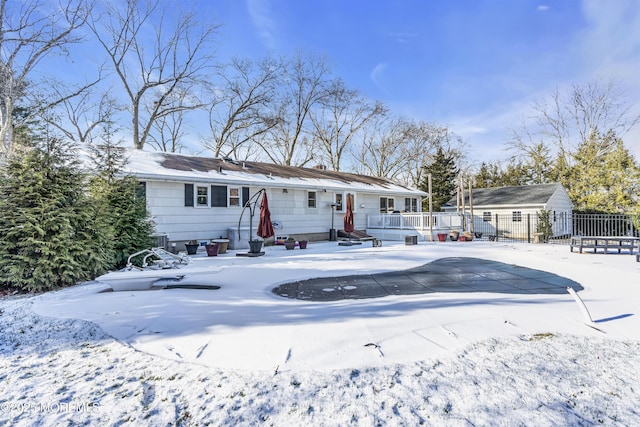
pixel 386 205
pixel 141 191
pixel 486 216
pixel 218 196
pixel 196 195
pixel 311 199
pixel 234 197
pixel 215 196
pixel 202 198
pixel 410 204
pixel 339 197
pixel 516 216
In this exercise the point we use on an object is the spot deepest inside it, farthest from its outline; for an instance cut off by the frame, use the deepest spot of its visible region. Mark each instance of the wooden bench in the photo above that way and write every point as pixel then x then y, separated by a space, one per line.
pixel 606 243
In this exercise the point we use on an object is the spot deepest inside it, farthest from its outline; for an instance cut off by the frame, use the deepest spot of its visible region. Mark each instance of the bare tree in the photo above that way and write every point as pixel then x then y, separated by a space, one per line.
pixel 156 58
pixel 570 118
pixel 30 31
pixel 400 149
pixel 82 111
pixel 382 151
pixel 168 132
pixel 242 105
pixel 304 85
pixel 338 118
pixel 423 140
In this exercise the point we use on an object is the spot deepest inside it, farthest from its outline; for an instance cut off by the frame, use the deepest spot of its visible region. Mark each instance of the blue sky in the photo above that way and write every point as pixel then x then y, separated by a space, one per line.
pixel 474 65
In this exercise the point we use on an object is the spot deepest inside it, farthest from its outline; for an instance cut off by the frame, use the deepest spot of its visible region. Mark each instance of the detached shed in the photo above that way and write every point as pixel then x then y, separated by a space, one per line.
pixel 506 209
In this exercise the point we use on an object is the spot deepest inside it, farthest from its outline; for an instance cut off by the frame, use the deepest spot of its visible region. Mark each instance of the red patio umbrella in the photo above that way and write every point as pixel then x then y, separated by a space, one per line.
pixel 348 216
pixel 265 228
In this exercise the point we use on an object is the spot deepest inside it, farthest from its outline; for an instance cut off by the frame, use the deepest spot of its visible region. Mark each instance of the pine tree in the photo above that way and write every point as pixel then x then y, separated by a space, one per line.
pixel 605 177
pixel 48 236
pixel 443 172
pixel 120 202
pixel 492 175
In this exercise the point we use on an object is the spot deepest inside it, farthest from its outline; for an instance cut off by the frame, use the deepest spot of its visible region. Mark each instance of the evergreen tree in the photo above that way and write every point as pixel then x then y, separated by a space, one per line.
pixel 488 176
pixel 48 236
pixel 120 202
pixel 605 177
pixel 444 173
pixel 492 175
pixel 544 225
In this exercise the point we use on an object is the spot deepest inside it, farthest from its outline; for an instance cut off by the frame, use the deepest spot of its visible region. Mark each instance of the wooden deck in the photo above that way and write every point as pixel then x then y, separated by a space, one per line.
pixel 606 243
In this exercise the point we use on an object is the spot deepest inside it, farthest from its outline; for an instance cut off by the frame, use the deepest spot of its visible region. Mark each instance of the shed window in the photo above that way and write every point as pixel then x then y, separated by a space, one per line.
pixel 516 216
pixel 486 216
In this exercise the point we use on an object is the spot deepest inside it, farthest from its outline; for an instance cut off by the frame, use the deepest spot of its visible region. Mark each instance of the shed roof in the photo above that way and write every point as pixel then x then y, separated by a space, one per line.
pixel 537 194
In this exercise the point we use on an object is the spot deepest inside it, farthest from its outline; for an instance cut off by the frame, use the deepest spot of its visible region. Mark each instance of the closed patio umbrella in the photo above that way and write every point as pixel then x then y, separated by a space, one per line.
pixel 265 227
pixel 348 217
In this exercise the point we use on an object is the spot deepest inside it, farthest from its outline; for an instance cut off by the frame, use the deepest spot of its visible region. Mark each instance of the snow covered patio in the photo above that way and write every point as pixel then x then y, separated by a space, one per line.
pixel 253 356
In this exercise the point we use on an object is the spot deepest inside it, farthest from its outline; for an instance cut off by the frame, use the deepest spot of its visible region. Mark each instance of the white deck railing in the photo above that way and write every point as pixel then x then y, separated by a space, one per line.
pixel 415 221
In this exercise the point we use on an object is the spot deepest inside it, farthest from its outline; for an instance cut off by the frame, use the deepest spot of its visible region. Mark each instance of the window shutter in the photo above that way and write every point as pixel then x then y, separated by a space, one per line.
pixel 141 192
pixel 245 195
pixel 218 196
pixel 188 194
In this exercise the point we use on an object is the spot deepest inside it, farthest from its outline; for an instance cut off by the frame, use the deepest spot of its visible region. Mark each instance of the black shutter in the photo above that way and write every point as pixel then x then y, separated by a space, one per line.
pixel 188 194
pixel 141 192
pixel 245 195
pixel 218 196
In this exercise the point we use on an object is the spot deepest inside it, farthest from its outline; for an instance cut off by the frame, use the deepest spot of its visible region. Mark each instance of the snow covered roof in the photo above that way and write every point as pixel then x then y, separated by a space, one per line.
pixel 178 167
pixel 517 195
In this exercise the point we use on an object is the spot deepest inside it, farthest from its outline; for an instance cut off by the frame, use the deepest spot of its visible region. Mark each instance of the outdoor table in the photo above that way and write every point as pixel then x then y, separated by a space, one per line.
pixel 606 243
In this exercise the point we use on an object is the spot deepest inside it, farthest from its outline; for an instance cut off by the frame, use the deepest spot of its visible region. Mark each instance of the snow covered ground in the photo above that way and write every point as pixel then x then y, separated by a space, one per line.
pixel 241 355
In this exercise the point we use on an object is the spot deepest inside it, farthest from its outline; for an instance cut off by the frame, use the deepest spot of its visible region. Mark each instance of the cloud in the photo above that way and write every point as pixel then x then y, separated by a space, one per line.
pixel 264 24
pixel 377 75
pixel 403 37
pixel 543 8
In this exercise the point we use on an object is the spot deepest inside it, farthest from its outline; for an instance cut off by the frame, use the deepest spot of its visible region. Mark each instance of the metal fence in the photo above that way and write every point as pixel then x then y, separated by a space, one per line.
pixel 515 227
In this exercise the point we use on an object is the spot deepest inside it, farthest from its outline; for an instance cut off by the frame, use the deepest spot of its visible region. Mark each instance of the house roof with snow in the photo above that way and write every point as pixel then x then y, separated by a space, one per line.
pixel 518 195
pixel 147 165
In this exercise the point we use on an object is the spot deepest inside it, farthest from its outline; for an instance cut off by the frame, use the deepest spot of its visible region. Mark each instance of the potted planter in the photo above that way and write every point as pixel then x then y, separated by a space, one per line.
pixel 468 236
pixel 454 234
pixel 192 247
pixel 223 244
pixel 290 243
pixel 212 249
pixel 255 246
pixel 303 244
pixel 442 237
